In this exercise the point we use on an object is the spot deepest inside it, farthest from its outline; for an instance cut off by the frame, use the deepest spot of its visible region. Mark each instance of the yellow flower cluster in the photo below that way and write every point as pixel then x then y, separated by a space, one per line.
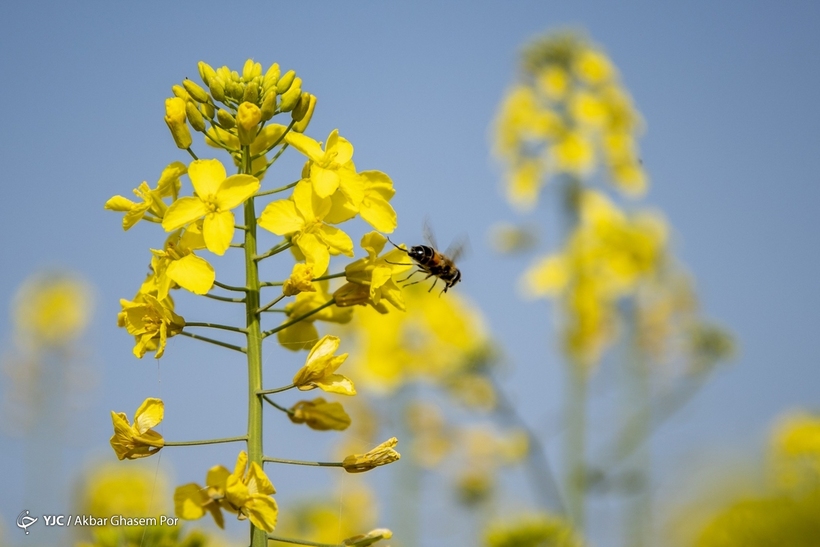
pixel 567 115
pixel 605 258
pixel 51 310
pixel 532 531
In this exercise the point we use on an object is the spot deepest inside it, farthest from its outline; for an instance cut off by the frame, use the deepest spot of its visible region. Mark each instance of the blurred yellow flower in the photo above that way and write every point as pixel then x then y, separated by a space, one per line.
pixel 138 440
pixel 320 367
pixel 303 335
pixel 369 538
pixel 795 450
pixel 246 492
pixel 320 415
pixel 216 194
pixel 532 531
pixel 52 309
pixel 383 454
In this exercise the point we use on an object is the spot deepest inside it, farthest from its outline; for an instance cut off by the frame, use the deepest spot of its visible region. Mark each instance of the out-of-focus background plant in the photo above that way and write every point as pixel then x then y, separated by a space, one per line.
pixel 629 359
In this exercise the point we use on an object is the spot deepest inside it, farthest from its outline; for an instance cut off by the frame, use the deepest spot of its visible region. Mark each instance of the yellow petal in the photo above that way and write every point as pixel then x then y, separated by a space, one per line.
pixel 377 212
pixel 336 240
pixel 192 273
pixel 325 181
pixel 305 145
pixel 336 383
pixel 281 218
pixel 120 204
pixel 235 190
pixel 217 477
pixel 325 347
pixel 343 149
pixel 316 253
pixel 309 204
pixel 149 414
pixel 183 211
pixel 206 176
pixel 188 501
pixel 218 231
pixel 262 511
pixel 258 482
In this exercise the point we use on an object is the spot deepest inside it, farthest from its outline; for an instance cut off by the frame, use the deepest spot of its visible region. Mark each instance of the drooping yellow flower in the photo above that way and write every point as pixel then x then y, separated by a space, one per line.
pixel 320 415
pixel 151 200
pixel 383 454
pixel 365 540
pixel 329 167
pixel 301 218
pixel 246 492
pixel 303 334
pixel 215 196
pixel 376 272
pixel 138 440
pixel 177 263
pixel 151 322
pixel 320 367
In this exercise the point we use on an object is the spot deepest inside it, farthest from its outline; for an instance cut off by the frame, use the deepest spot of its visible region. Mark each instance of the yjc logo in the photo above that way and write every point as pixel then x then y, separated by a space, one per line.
pixel 24 521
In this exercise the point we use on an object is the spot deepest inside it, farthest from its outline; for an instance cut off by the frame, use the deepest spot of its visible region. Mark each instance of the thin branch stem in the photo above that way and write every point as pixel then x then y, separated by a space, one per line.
pixel 275 144
pixel 223 298
pixel 330 276
pixel 276 190
pixel 267 459
pixel 208 441
pixel 271 283
pixel 272 303
pixel 275 390
pixel 296 320
pixel 271 402
pixel 274 250
pixel 214 342
pixel 281 539
pixel 230 287
pixel 191 152
pixel 215 326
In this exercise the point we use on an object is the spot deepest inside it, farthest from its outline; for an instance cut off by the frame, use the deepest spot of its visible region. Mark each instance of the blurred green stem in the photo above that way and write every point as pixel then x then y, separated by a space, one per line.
pixel 575 443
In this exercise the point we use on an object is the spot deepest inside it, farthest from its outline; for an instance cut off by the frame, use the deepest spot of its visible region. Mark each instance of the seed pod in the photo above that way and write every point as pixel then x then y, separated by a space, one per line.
pixel 197 93
pixel 291 96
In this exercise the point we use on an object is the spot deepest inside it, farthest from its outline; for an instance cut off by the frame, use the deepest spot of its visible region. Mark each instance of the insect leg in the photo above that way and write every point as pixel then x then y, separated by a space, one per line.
pixel 420 280
pixel 434 284
pixel 400 263
pixel 411 275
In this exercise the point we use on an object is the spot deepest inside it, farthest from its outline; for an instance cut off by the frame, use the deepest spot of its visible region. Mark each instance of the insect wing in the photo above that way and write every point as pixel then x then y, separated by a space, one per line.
pixel 458 248
pixel 429 235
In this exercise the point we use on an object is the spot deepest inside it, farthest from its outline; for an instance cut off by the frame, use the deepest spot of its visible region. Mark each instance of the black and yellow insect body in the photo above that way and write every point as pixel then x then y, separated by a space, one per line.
pixel 435 264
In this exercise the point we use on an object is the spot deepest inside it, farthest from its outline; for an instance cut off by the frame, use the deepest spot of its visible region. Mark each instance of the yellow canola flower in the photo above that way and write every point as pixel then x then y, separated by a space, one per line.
pixel 524 181
pixel 138 440
pixel 795 449
pixel 301 219
pixel 216 195
pixel 383 454
pixel 376 272
pixel 303 334
pixel 365 540
pixel 367 195
pixel 265 139
pixel 573 153
pixel 329 167
pixel 300 280
pixel 320 367
pixel 52 309
pixel 151 200
pixel 177 264
pixel 151 322
pixel 593 66
pixel 320 415
pixel 246 492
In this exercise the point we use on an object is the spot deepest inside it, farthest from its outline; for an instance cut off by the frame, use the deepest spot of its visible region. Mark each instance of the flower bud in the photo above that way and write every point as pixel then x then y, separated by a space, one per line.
pixel 320 415
pixel 175 118
pixel 351 294
pixel 251 70
pixel 284 82
pixel 381 455
pixel 235 76
pixel 205 72
pixel 271 77
pixel 194 116
pixel 302 124
pixel 225 119
pixel 180 92
pixel 368 539
pixel 291 96
pixel 235 90
pixel 207 110
pixel 269 105
pixel 251 94
pixel 197 93
pixel 217 87
pixel 247 120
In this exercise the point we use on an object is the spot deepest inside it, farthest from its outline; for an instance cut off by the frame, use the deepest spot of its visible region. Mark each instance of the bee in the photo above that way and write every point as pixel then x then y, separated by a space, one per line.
pixel 435 264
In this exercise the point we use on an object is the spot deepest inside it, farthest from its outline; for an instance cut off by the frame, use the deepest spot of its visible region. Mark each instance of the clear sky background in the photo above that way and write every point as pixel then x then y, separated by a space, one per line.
pixel 728 90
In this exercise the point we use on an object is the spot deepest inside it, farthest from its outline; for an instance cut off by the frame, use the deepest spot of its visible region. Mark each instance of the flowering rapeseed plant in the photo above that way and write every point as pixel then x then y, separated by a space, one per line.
pixel 235 113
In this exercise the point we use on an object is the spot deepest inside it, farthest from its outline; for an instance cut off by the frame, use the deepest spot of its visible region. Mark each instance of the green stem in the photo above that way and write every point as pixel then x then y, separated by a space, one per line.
pixel 214 342
pixel 229 287
pixel 330 276
pixel 268 459
pixel 272 283
pixel 276 190
pixel 296 320
pixel 302 542
pixel 208 441
pixel 254 337
pixel 275 144
pixel 275 390
pixel 191 152
pixel 575 445
pixel 274 250
pixel 214 326
pixel 223 298
pixel 272 161
pixel 272 303
pixel 274 405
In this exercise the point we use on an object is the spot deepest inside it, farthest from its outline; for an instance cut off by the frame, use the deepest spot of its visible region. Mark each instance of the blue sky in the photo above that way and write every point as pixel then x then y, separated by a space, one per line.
pixel 728 91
